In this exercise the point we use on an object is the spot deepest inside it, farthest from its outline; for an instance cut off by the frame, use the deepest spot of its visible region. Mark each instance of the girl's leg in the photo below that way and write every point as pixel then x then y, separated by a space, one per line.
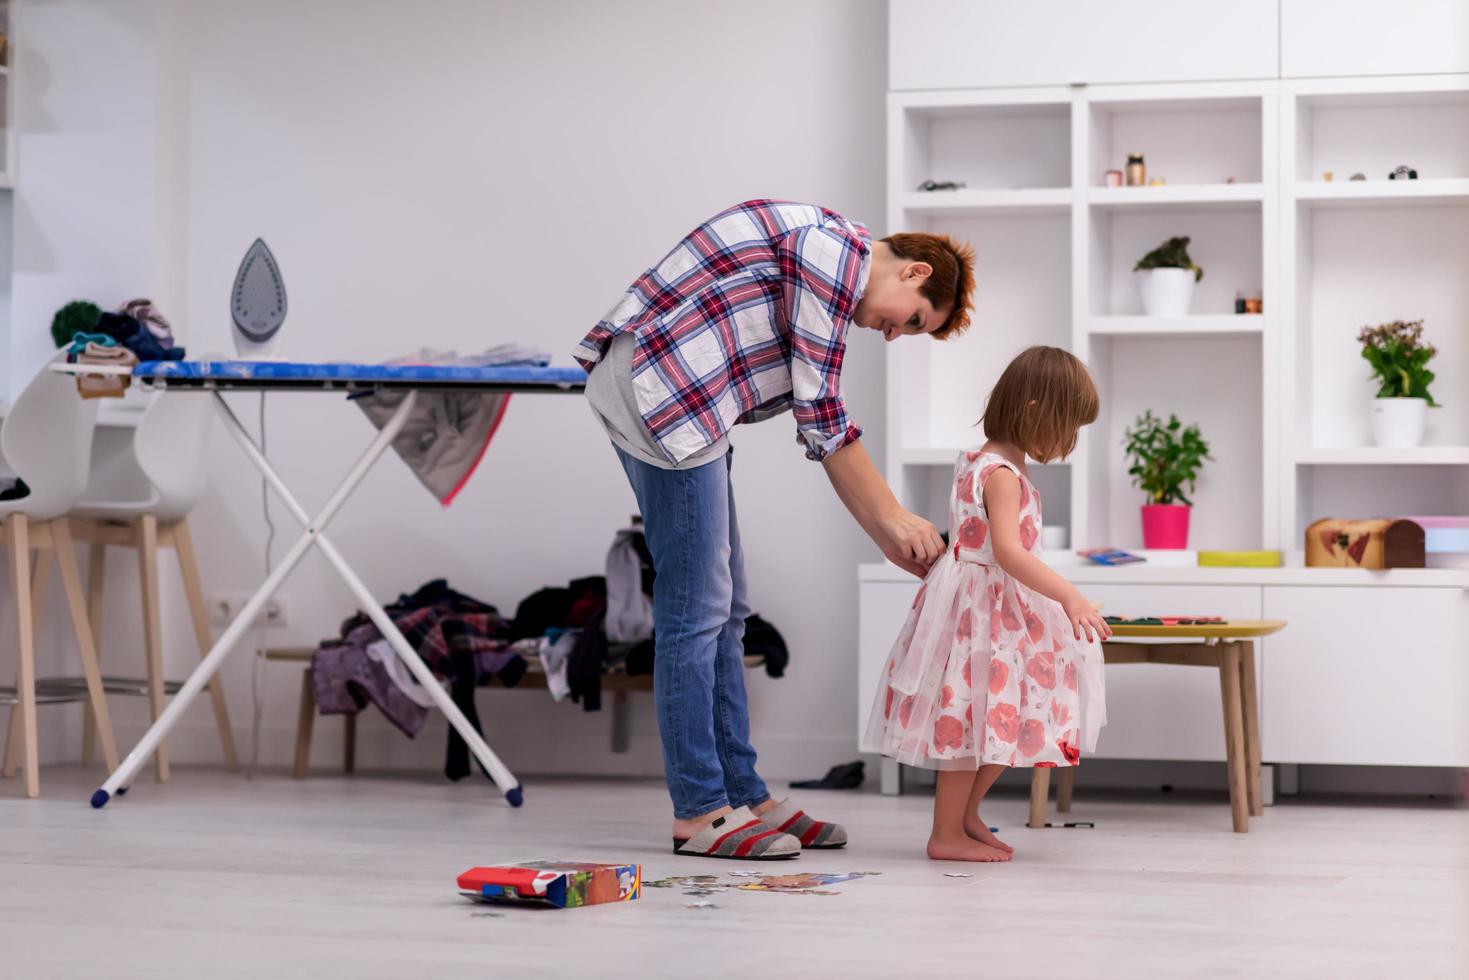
pixel 949 842
pixel 974 824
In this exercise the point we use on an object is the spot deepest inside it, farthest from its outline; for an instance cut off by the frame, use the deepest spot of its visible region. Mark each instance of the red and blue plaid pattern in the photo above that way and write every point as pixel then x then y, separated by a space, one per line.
pixel 744 319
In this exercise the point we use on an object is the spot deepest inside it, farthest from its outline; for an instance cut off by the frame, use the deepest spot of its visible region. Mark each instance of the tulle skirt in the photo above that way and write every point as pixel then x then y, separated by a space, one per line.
pixel 986 671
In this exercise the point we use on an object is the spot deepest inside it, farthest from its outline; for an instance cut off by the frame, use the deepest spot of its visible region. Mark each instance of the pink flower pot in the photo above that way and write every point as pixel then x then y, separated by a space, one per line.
pixel 1165 526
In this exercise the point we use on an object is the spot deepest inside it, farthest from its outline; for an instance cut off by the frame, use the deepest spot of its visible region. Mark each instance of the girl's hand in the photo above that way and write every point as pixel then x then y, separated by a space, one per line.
pixel 1085 617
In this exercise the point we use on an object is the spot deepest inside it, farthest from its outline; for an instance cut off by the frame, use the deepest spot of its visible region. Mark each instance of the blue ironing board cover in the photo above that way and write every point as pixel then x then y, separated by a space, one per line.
pixel 341 375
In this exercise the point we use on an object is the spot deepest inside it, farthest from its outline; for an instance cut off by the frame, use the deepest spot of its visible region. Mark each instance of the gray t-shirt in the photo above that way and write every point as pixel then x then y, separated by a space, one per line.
pixel 613 401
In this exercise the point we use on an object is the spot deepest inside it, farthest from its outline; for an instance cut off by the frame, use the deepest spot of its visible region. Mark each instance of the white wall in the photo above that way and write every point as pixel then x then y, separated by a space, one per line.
pixel 460 175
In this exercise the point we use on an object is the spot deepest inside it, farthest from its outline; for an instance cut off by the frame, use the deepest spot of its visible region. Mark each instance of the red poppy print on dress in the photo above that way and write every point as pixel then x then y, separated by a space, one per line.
pixel 1069 676
pixel 984 474
pixel 948 733
pixel 946 697
pixel 905 711
pixel 1028 534
pixel 918 599
pixel 965 673
pixel 1004 721
pixel 966 487
pixel 1034 628
pixel 1042 669
pixel 1060 714
pixel 972 532
pixel 999 675
pixel 1045 765
pixel 1008 616
pixel 887 705
pixel 1070 752
pixel 1032 737
pixel 964 628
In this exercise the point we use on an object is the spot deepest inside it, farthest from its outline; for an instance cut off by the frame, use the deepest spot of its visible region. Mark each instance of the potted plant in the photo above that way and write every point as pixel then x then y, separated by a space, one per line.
pixel 1399 359
pixel 1165 458
pixel 1167 281
pixel 78 316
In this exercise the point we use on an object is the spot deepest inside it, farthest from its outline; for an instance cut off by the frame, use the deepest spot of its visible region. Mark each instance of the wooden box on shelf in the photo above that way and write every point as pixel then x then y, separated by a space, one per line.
pixel 1379 543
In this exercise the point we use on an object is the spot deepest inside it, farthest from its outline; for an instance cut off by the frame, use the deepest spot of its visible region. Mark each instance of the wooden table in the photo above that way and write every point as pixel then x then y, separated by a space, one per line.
pixel 1230 648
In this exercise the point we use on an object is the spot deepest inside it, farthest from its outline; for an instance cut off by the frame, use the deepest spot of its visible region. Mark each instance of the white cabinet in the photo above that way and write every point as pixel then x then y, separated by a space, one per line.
pixel 1365 37
pixel 1367 676
pixel 1162 711
pixel 883 606
pixel 963 44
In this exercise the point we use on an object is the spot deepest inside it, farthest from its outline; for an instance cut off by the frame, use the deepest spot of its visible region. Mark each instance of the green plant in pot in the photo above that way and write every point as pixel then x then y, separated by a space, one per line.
pixel 1166 278
pixel 1399 357
pixel 76 317
pixel 1166 457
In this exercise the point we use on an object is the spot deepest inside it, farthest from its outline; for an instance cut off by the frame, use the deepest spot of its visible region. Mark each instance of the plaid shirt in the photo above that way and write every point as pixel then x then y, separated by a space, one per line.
pixel 746 318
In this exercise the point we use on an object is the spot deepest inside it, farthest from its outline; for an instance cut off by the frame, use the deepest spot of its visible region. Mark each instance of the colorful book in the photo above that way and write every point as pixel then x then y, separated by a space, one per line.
pixel 557 884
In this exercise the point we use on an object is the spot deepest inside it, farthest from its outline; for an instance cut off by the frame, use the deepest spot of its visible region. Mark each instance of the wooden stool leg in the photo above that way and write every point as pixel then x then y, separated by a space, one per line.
pixel 1251 727
pixel 349 744
pixel 17 533
pixel 183 546
pixel 1234 735
pixel 1065 781
pixel 96 578
pixel 147 540
pixel 71 582
pixel 13 739
pixel 1040 786
pixel 304 719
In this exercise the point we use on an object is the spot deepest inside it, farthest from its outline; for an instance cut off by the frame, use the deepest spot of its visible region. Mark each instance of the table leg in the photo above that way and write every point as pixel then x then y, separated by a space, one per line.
pixel 1251 726
pixel 1040 786
pixel 1065 782
pixel 1234 736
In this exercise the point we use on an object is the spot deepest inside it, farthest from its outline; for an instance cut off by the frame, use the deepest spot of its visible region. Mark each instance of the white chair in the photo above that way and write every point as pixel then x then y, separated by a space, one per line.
pixel 168 446
pixel 46 440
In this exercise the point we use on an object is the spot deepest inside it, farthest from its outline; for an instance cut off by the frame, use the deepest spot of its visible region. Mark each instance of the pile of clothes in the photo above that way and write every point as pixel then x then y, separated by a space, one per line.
pixel 137 332
pixel 578 632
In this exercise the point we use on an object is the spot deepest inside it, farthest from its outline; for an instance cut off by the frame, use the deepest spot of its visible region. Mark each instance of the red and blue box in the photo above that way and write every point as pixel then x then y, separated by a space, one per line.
pixel 554 884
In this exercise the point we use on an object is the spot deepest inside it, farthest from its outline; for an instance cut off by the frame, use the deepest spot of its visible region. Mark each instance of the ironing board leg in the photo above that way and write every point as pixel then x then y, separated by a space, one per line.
pixel 312 535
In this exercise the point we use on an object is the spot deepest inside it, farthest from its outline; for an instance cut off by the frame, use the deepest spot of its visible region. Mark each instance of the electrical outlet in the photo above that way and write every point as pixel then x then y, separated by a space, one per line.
pixel 225 606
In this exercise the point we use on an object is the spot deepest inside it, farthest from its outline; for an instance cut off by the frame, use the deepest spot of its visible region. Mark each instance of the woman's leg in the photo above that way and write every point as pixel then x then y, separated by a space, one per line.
pixel 686 522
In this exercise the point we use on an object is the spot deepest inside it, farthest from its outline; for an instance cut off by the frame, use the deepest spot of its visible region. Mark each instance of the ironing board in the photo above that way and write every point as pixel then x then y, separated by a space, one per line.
pixel 1228 647
pixel 220 376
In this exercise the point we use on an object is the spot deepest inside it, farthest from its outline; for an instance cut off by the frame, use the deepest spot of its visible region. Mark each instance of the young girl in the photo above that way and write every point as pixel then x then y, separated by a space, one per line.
pixel 998 663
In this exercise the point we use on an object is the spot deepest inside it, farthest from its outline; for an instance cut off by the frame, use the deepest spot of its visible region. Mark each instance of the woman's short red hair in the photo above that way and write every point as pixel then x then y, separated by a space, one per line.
pixel 951 285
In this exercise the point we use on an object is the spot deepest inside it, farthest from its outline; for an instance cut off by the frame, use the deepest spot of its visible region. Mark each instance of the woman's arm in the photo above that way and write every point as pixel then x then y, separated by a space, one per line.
pixel 906 540
pixel 1002 504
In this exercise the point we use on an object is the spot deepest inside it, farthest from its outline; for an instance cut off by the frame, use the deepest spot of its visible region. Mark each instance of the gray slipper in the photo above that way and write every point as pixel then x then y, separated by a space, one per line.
pixel 741 836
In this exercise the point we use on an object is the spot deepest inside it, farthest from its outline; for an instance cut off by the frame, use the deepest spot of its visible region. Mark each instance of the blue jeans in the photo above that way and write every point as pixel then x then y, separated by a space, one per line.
pixel 699 610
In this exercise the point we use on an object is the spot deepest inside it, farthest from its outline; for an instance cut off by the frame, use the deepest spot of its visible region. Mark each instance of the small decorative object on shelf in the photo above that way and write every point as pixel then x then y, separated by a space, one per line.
pixel 1168 277
pixel 1156 181
pixel 1358 176
pixel 1255 302
pixel 1113 178
pixel 78 316
pixel 1137 170
pixel 941 185
pixel 1379 543
pixel 1110 556
pixel 1165 458
pixel 1239 301
pixel 1399 357
pixel 1403 173
pixel 1328 176
pixel 1229 179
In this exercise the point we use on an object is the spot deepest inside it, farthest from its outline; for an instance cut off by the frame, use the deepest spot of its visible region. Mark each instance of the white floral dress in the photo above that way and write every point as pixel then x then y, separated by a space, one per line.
pixel 986 671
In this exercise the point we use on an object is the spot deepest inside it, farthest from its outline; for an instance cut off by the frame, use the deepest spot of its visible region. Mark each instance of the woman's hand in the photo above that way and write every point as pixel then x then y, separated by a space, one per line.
pixel 1085 617
pixel 910 542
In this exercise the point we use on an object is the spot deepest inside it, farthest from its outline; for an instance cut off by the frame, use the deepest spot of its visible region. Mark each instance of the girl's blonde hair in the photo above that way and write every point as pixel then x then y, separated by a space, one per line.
pixel 1040 403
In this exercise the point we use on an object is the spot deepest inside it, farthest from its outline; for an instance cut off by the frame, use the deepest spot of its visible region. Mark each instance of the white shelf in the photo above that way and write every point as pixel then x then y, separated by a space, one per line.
pixel 1382 193
pixel 1174 195
pixel 1149 573
pixel 1034 200
pixel 1203 325
pixel 1378 456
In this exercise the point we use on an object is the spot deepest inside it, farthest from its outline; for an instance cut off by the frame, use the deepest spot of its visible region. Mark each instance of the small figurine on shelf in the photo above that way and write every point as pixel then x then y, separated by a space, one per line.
pixel 1137 170
pixel 1403 173
pixel 1156 181
pixel 1255 302
pixel 1113 178
pixel 941 185
pixel 1358 176
pixel 1239 301
pixel 1328 176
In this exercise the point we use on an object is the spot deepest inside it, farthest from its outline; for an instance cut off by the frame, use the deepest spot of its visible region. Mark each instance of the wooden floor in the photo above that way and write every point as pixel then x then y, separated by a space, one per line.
pixel 354 877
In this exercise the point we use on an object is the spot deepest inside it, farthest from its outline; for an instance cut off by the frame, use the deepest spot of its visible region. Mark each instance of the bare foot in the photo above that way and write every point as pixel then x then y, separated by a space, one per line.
pixel 963 848
pixel 976 827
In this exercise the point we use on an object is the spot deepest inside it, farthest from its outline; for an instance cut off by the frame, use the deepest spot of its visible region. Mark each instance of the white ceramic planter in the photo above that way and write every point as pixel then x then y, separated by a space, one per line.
pixel 1397 423
pixel 1166 292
